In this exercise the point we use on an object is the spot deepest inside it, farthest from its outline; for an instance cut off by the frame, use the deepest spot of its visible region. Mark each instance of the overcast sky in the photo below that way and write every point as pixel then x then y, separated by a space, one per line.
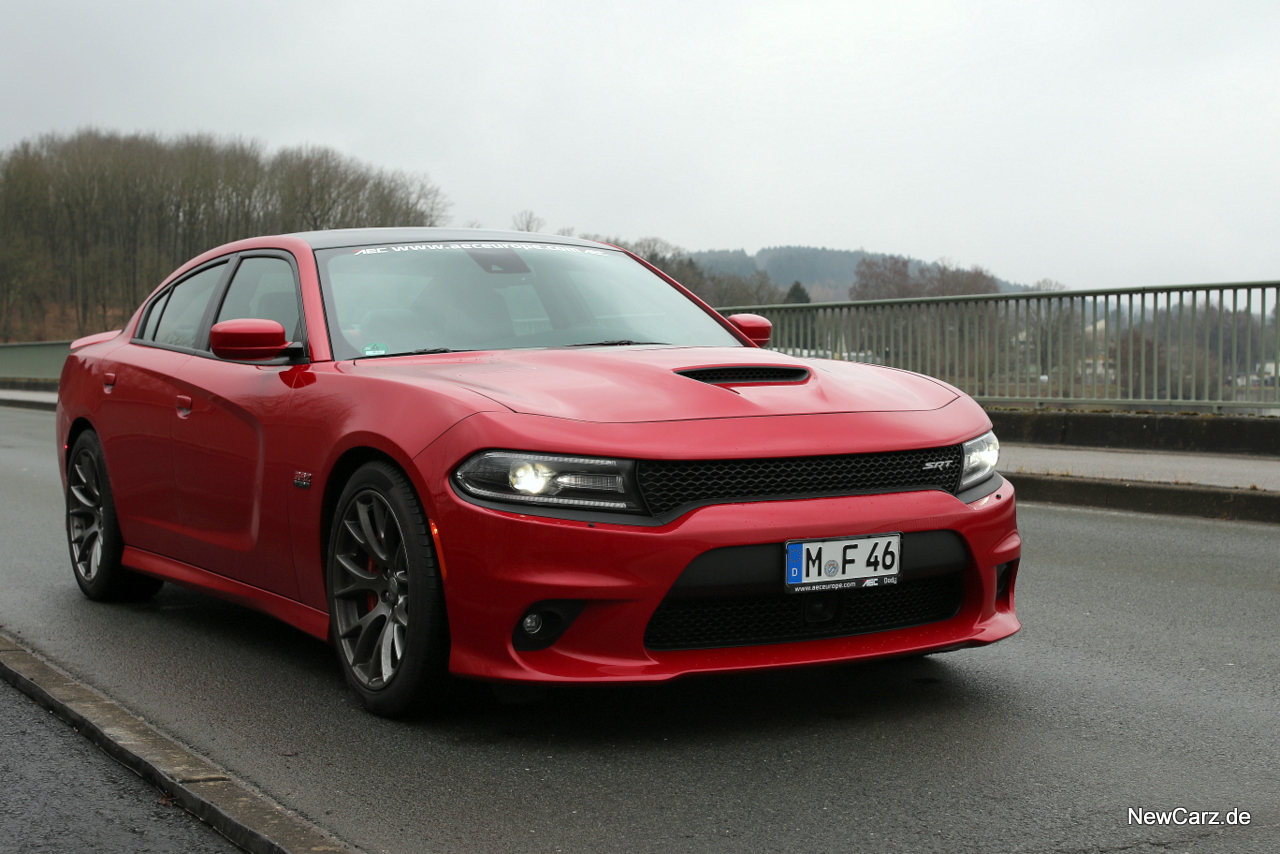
pixel 1099 144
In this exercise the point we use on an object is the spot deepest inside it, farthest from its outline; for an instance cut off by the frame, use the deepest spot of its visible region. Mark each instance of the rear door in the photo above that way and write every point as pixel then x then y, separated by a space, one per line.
pixel 142 400
pixel 231 447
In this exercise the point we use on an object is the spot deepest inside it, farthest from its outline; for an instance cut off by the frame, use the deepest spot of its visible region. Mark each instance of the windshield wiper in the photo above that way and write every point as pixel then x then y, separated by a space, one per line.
pixel 621 342
pixel 431 350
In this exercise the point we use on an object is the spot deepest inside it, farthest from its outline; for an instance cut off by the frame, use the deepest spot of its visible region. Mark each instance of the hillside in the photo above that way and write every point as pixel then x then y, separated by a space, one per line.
pixel 825 273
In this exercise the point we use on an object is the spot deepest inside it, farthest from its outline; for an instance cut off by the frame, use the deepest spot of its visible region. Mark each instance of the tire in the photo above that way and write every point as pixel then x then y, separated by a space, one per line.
pixel 386 601
pixel 93 532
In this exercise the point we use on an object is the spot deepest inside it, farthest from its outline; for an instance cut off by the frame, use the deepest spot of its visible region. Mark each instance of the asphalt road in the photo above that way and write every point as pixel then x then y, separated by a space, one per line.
pixel 60 794
pixel 1147 678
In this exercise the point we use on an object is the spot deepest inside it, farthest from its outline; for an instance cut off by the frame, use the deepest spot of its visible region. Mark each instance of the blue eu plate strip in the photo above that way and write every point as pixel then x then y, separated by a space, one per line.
pixel 795 559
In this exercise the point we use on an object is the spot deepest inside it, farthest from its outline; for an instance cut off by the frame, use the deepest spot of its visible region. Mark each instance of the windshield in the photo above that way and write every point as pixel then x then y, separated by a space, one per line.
pixel 441 297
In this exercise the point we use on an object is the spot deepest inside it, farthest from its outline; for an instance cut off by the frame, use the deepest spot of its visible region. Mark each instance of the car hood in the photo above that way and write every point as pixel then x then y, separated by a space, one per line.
pixel 637 384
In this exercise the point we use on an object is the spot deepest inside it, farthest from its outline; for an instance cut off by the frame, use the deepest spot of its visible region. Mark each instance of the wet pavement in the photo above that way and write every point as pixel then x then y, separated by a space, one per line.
pixel 60 793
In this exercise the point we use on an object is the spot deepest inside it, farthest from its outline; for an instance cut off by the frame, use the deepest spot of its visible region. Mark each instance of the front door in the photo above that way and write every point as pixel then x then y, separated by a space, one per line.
pixel 231 448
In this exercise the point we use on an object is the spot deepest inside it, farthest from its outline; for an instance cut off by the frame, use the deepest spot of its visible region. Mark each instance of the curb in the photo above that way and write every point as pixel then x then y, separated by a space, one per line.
pixel 47 406
pixel 1199 434
pixel 1245 505
pixel 244 816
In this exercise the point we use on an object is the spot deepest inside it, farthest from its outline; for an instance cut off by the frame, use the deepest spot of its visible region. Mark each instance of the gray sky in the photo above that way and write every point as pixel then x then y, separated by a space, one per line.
pixel 1101 144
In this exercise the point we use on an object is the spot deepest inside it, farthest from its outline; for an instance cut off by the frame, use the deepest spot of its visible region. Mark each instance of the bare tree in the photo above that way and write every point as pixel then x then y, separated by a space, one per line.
pixel 89 223
pixel 527 220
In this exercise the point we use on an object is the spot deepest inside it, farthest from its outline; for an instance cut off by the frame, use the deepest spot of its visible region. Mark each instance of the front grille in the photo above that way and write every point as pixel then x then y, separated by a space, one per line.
pixel 780 617
pixel 668 484
pixel 746 374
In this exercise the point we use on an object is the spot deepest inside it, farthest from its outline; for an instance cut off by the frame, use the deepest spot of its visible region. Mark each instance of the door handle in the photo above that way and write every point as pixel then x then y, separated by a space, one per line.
pixel 108 382
pixel 183 404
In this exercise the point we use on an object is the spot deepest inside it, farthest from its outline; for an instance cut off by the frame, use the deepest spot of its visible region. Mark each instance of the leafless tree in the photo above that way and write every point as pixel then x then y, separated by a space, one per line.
pixel 527 220
pixel 91 222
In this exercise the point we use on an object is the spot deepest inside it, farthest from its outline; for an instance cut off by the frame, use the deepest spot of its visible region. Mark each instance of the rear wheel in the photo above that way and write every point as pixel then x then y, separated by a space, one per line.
pixel 386 602
pixel 93 533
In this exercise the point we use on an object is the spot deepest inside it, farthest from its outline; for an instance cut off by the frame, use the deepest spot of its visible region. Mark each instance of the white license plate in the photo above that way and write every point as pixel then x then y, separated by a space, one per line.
pixel 870 561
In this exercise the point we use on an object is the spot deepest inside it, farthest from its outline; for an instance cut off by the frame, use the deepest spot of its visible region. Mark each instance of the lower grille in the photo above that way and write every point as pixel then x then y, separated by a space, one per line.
pixel 777 618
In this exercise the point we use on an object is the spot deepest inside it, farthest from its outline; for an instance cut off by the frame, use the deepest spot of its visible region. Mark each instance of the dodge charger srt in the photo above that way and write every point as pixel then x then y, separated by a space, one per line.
pixel 523 458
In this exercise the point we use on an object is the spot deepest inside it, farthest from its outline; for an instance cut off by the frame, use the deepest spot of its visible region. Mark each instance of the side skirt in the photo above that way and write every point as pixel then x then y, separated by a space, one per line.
pixel 309 620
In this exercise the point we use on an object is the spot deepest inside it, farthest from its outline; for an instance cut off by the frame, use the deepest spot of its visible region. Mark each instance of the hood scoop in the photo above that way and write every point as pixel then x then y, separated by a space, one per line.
pixel 746 375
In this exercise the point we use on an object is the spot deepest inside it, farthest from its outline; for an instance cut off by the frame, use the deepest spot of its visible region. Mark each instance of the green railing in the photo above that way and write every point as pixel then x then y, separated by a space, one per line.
pixel 1202 347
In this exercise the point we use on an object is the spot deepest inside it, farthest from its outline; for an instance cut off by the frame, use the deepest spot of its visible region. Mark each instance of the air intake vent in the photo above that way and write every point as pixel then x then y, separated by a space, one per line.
pixel 671 484
pixel 735 374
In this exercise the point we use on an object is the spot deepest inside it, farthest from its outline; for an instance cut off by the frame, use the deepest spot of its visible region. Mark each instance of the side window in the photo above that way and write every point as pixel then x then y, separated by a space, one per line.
pixel 264 288
pixel 148 332
pixel 182 313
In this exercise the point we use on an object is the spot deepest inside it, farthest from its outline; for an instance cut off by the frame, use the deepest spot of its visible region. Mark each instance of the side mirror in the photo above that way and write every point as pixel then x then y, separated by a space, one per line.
pixel 248 339
pixel 755 327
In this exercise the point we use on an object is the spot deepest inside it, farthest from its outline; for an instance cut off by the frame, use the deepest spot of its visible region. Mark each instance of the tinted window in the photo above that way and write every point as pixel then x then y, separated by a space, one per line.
pixel 383 300
pixel 153 316
pixel 263 288
pixel 180 319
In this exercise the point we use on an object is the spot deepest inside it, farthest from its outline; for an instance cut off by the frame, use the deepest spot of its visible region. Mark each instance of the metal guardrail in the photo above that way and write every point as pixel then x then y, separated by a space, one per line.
pixel 41 360
pixel 1202 347
pixel 1205 347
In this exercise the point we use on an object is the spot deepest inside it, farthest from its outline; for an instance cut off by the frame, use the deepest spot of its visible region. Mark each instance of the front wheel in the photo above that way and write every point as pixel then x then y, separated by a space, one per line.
pixel 93 533
pixel 386 602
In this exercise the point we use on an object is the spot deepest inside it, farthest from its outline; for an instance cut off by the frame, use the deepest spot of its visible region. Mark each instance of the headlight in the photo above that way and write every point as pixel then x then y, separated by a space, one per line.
pixel 980 458
pixel 588 483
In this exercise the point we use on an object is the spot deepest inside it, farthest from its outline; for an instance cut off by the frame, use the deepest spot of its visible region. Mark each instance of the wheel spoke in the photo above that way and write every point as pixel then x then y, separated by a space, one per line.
pixel 371 539
pixel 90 513
pixel 84 537
pixel 82 495
pixel 91 478
pixel 386 642
pixel 95 559
pixel 361 578
pixel 353 528
pixel 86 487
pixel 366 632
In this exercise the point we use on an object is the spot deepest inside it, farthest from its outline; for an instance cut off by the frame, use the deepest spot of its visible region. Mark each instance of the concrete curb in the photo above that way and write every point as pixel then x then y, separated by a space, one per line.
pixel 244 816
pixel 1246 505
pixel 1200 434
pixel 28 404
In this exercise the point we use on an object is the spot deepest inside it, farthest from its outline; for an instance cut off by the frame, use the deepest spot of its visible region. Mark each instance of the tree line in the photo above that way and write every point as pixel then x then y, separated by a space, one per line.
pixel 716 289
pixel 90 222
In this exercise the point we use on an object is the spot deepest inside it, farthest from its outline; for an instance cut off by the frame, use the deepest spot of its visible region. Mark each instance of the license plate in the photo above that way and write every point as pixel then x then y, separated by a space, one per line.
pixel 870 561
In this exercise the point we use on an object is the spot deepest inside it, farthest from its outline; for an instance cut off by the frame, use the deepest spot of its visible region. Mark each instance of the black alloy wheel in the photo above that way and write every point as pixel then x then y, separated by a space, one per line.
pixel 386 603
pixel 93 533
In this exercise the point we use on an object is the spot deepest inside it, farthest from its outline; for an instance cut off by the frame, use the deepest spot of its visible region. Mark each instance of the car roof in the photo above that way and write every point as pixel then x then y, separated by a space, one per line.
pixel 339 237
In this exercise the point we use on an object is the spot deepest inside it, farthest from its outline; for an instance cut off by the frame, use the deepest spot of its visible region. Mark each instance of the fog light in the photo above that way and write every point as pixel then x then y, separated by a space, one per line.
pixel 544 622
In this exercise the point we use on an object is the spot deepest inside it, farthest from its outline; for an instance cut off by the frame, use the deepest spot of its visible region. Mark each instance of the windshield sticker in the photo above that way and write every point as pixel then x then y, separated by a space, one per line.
pixel 375 349
pixel 419 247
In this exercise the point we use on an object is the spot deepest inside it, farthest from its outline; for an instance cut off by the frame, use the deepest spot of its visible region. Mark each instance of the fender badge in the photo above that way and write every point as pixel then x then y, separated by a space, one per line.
pixel 302 479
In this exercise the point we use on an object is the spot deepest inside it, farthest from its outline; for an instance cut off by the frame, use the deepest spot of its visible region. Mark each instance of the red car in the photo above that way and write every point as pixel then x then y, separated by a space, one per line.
pixel 523 458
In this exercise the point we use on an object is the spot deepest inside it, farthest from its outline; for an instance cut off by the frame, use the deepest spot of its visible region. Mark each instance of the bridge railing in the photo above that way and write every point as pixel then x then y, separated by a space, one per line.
pixel 1202 347
pixel 39 361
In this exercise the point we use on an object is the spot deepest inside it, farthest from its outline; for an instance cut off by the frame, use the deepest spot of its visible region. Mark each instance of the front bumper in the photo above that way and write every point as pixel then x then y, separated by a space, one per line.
pixel 498 563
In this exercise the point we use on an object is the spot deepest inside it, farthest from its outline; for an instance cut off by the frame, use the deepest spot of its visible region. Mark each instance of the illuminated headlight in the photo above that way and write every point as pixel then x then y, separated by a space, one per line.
pixel 588 483
pixel 980 458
